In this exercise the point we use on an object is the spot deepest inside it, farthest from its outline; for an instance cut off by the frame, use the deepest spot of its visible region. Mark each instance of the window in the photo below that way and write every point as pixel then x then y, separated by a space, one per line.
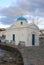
pixel 13 37
pixel 21 23
pixel 33 39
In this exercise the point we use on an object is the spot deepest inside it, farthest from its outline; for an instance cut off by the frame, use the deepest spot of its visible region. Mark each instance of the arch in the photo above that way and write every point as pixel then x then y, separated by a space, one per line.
pixel 16 52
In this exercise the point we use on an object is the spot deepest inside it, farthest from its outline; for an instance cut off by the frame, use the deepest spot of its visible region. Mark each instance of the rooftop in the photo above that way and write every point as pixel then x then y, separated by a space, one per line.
pixel 21 18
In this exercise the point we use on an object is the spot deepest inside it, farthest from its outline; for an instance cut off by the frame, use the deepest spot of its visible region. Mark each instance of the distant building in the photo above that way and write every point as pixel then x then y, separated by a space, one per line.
pixel 2 36
pixel 41 37
pixel 23 33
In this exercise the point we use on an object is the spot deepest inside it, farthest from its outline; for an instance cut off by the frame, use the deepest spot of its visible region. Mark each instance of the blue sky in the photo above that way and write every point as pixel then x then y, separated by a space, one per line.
pixel 6 3
pixel 31 9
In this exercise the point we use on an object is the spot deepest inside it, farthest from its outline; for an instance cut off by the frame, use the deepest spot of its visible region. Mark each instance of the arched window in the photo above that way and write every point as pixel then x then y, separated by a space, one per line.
pixel 21 23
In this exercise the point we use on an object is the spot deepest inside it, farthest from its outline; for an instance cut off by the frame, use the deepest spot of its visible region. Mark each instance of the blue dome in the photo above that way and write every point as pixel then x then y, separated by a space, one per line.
pixel 21 18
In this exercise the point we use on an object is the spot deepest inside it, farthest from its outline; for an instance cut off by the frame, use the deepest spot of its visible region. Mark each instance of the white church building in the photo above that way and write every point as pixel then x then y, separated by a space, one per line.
pixel 23 33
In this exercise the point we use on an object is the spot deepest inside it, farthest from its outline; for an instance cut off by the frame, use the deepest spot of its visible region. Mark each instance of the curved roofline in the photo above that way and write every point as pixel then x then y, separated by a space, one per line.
pixel 21 18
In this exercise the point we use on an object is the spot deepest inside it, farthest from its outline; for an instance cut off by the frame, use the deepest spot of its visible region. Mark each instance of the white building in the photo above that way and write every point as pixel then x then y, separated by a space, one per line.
pixel 23 33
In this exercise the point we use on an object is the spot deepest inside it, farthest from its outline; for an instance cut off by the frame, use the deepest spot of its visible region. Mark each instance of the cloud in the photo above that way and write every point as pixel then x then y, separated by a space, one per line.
pixel 4 26
pixel 22 7
pixel 31 6
pixel 13 11
pixel 7 20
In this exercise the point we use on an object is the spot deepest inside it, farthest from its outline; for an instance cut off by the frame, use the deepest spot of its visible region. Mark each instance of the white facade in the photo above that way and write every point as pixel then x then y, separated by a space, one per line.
pixel 23 33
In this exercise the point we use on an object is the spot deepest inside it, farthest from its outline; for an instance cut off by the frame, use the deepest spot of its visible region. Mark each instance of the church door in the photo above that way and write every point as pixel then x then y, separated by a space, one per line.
pixel 33 39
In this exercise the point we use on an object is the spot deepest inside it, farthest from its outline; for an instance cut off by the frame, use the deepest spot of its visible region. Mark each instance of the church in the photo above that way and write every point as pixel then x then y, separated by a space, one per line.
pixel 22 33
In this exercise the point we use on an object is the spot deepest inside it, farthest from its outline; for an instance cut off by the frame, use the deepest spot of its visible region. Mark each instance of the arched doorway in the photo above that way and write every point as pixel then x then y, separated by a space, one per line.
pixel 15 56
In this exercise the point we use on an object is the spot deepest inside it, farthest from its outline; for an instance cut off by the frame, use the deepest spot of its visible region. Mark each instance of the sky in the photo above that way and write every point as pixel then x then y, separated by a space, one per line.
pixel 10 10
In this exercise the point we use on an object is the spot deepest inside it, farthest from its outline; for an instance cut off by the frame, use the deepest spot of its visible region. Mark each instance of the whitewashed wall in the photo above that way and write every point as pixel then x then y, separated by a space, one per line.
pixel 23 33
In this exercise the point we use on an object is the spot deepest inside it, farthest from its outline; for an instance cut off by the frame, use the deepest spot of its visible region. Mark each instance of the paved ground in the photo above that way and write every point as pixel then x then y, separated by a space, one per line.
pixel 33 55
